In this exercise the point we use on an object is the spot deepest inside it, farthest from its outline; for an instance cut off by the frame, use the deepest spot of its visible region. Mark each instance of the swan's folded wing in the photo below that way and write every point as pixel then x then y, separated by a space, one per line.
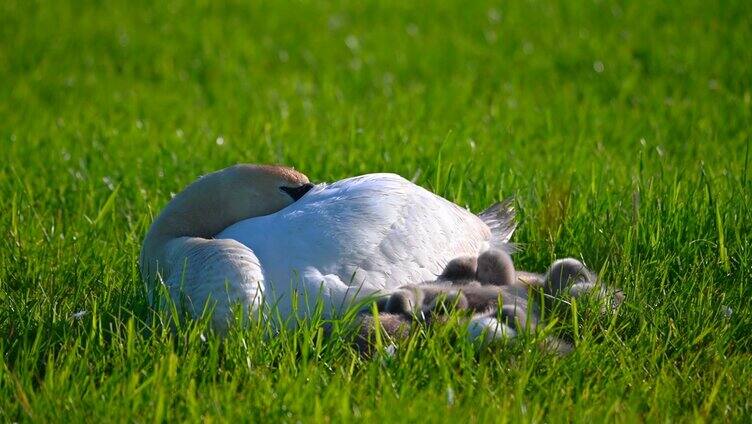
pixel 208 274
pixel 415 233
pixel 375 232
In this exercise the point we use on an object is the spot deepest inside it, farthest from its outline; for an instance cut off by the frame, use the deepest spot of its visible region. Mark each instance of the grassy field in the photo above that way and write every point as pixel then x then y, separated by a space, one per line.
pixel 622 128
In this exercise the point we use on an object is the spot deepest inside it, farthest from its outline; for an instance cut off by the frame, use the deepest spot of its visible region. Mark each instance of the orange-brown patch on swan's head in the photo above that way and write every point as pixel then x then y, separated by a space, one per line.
pixel 283 173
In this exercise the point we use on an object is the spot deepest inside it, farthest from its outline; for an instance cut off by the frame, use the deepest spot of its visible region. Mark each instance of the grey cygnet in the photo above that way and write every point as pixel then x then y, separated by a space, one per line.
pixel 492 267
pixel 485 287
pixel 570 276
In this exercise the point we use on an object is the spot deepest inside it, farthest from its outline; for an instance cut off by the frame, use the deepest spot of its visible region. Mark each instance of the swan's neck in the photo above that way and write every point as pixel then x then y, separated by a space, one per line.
pixel 202 210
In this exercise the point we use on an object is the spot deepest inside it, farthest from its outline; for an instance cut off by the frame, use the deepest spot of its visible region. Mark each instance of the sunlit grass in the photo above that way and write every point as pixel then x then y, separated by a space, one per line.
pixel 623 130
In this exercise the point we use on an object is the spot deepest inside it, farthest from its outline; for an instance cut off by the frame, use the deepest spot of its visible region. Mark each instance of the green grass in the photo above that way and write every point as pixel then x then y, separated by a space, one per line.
pixel 623 129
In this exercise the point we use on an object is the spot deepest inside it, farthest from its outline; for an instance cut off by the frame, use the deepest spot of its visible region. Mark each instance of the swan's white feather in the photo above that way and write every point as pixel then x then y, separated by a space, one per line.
pixel 354 237
pixel 500 220
pixel 213 274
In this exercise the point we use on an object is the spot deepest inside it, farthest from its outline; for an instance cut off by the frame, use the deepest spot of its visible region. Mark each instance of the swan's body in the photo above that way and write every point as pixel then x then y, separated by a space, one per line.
pixel 337 243
pixel 361 235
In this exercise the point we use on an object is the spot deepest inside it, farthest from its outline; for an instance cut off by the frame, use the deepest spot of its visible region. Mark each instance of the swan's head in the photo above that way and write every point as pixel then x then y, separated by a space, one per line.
pixel 257 190
pixel 218 200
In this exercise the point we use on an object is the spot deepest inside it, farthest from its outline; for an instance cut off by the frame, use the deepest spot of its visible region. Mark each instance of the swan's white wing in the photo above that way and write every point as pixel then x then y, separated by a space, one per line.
pixel 427 233
pixel 374 232
pixel 329 232
pixel 213 274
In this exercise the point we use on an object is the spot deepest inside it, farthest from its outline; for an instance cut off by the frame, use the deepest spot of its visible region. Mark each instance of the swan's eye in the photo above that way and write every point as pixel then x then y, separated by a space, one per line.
pixel 297 192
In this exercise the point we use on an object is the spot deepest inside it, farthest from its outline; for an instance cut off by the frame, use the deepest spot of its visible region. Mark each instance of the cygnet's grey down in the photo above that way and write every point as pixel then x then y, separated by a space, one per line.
pixel 492 267
pixel 489 291
pixel 485 289
pixel 572 277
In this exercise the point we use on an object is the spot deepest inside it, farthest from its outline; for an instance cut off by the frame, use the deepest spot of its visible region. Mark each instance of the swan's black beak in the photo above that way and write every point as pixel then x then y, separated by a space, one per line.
pixel 297 192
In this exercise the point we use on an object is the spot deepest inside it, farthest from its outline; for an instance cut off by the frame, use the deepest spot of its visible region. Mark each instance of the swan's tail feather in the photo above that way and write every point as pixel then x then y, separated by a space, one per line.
pixel 500 218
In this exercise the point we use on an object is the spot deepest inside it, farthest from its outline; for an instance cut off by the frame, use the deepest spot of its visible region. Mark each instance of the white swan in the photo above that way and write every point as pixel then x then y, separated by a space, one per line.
pixel 250 234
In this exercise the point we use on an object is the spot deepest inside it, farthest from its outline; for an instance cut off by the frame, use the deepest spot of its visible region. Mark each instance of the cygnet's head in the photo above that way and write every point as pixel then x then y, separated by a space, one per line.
pixel 495 267
pixel 405 301
pixel 460 269
pixel 568 272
